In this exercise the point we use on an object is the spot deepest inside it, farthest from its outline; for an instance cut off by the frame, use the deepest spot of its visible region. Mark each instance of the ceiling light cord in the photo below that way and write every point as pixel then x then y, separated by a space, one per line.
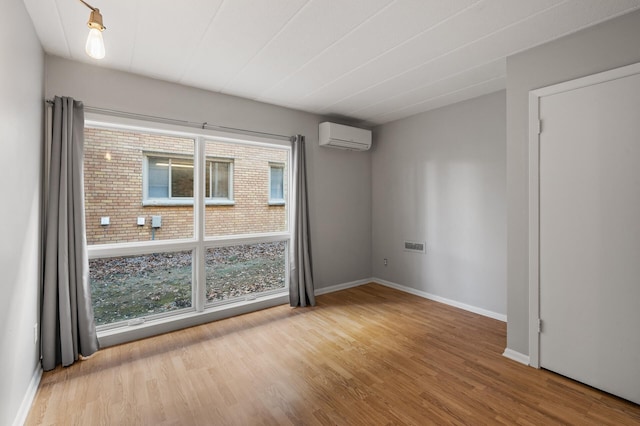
pixel 88 5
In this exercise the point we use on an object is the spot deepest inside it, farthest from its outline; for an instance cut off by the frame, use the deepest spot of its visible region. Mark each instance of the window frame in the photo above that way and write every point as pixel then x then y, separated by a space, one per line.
pixel 229 201
pixel 159 201
pixel 200 312
pixel 182 201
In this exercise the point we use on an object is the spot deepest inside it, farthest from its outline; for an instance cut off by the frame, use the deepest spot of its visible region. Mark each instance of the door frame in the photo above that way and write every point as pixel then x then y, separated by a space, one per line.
pixel 535 129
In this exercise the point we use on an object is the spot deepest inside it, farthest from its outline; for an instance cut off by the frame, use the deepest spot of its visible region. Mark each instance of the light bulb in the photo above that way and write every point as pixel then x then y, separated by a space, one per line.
pixel 95 44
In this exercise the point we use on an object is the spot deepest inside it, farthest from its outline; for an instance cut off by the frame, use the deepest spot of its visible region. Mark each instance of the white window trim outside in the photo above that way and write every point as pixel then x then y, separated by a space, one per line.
pixel 200 312
pixel 276 201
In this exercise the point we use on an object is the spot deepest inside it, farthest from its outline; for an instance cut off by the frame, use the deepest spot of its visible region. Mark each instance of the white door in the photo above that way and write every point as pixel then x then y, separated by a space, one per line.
pixel 590 235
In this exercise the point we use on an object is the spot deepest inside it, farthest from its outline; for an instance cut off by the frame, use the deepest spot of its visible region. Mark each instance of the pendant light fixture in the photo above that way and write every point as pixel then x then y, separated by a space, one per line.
pixel 95 44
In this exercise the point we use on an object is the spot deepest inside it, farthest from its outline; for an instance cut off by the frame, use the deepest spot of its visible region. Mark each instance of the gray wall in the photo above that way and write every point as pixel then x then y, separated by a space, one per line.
pixel 21 134
pixel 439 177
pixel 609 45
pixel 339 181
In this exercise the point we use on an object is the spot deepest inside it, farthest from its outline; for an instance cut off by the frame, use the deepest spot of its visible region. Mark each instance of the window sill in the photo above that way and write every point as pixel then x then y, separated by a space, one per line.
pixel 128 333
pixel 220 203
pixel 183 203
pixel 276 202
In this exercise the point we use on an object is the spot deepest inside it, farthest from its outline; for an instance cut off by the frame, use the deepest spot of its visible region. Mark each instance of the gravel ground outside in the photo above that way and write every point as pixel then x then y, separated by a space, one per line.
pixel 123 288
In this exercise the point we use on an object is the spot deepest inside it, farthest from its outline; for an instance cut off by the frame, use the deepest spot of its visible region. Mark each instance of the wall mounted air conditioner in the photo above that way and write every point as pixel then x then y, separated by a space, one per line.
pixel 344 137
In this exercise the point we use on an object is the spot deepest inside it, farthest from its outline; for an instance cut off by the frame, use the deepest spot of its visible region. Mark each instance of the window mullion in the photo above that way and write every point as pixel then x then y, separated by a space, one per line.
pixel 169 176
pixel 216 178
pixel 209 169
pixel 230 182
pixel 199 165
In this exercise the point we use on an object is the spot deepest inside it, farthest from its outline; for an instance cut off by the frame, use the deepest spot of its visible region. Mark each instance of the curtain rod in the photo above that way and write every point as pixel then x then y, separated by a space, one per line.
pixel 193 124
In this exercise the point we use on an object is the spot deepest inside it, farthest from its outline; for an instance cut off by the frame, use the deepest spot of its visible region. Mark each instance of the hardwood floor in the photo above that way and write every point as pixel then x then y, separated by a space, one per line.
pixel 368 355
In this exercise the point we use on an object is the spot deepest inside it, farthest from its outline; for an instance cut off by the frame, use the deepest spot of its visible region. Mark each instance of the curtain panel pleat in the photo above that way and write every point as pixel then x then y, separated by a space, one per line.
pixel 301 290
pixel 67 323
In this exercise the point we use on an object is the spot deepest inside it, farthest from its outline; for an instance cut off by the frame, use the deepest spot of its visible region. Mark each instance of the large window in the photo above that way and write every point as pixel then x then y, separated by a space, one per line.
pixel 146 194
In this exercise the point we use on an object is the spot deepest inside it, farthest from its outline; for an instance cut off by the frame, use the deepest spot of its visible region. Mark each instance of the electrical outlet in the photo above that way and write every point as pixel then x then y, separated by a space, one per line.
pixel 385 262
pixel 35 333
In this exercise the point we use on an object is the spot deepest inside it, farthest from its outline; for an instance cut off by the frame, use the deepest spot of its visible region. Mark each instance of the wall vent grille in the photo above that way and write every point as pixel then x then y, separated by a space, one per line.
pixel 415 246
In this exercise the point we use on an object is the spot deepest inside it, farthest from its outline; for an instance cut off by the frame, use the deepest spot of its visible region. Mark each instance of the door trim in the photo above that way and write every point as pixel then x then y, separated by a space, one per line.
pixel 534 189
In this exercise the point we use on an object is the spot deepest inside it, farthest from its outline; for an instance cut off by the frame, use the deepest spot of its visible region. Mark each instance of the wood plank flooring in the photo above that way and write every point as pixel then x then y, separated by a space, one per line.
pixel 364 356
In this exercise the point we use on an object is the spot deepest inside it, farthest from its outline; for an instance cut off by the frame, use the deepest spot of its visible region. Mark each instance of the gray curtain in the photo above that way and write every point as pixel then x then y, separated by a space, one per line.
pixel 301 281
pixel 67 324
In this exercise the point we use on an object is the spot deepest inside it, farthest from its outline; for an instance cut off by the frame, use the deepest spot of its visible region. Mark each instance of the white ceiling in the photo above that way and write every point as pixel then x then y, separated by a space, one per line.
pixel 370 60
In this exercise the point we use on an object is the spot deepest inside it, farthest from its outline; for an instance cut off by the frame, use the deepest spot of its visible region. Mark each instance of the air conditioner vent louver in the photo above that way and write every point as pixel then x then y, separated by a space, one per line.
pixel 417 247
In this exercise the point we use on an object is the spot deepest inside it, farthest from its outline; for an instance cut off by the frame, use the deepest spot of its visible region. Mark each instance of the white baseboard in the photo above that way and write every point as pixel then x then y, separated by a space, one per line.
pixel 338 287
pixel 470 308
pixel 516 356
pixel 27 400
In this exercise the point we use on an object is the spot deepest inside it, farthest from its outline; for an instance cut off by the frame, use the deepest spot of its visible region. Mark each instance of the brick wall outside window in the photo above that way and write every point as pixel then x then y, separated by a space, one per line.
pixel 113 175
